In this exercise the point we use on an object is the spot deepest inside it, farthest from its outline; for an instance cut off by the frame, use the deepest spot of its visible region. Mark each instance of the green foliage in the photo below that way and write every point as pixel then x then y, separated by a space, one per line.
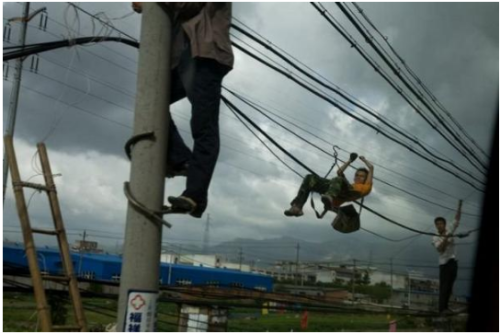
pixel 95 287
pixel 378 292
pixel 58 309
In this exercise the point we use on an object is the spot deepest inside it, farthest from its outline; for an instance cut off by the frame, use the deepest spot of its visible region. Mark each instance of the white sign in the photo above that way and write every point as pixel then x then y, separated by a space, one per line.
pixel 141 311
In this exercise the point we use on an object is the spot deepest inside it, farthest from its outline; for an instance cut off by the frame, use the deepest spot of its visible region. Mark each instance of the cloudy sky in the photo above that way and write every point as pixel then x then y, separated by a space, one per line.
pixel 81 104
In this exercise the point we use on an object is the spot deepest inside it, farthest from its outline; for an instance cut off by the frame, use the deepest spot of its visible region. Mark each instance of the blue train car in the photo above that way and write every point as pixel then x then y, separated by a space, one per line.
pixel 178 274
pixel 108 268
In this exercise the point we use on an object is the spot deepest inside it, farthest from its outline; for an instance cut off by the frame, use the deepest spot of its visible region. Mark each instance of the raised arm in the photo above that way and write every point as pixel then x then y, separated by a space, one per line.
pixel 447 240
pixel 352 157
pixel 369 178
pixel 458 215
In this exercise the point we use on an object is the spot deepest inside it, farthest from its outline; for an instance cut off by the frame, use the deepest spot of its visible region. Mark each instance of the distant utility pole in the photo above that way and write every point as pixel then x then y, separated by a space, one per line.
pixel 82 244
pixel 240 255
pixel 206 237
pixel 409 289
pixel 297 264
pixel 392 283
pixel 14 95
pixel 353 277
pixel 139 281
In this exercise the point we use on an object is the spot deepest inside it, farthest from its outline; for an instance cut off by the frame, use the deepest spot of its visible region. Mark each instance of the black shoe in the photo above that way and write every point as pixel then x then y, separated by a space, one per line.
pixel 182 204
pixel 198 211
pixel 172 172
pixel 294 211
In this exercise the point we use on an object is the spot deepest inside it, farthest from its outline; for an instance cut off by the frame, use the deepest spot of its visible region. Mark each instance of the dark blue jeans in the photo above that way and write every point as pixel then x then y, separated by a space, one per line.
pixel 447 277
pixel 200 80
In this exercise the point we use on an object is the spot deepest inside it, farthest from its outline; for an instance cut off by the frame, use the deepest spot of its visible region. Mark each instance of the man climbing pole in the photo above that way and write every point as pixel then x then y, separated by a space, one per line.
pixel 336 191
pixel 201 57
pixel 445 245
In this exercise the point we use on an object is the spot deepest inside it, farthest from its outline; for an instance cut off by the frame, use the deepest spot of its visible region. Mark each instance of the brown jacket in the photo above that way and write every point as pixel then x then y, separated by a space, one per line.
pixel 206 24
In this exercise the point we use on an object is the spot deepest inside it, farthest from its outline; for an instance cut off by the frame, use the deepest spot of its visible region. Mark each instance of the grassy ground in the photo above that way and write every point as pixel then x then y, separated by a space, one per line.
pixel 19 315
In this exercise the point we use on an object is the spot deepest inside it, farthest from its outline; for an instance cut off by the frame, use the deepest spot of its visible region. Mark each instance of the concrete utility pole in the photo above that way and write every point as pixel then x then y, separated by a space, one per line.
pixel 82 244
pixel 141 256
pixel 409 290
pixel 14 95
pixel 240 254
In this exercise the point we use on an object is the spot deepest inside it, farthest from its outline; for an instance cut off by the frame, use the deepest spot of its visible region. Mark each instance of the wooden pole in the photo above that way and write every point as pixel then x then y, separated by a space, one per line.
pixel 61 238
pixel 42 306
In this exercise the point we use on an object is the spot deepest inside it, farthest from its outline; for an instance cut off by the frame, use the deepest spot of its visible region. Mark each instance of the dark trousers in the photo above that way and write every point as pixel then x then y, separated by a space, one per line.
pixel 200 80
pixel 447 276
pixel 337 188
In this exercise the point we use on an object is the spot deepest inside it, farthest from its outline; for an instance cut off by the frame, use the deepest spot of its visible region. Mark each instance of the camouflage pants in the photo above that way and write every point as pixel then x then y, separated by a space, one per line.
pixel 337 188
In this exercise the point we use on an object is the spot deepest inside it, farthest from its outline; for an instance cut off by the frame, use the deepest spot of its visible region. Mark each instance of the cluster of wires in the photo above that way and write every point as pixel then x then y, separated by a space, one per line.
pixel 456 141
pixel 23 51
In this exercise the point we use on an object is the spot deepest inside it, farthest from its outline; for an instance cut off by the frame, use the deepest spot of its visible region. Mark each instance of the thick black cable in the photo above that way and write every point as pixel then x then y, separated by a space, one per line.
pixel 235 110
pixel 404 74
pixel 378 69
pixel 263 143
pixel 389 239
pixel 42 47
pixel 334 103
pixel 418 80
pixel 258 108
pixel 53 45
pixel 343 94
pixel 386 77
pixel 419 97
pixel 256 104
pixel 132 43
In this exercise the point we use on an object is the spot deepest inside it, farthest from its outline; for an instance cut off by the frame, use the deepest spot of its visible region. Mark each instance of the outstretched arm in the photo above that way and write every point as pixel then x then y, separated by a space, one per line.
pixel 369 178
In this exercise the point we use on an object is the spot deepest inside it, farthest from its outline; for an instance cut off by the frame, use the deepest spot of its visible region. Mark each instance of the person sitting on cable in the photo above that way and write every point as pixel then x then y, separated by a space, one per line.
pixel 336 191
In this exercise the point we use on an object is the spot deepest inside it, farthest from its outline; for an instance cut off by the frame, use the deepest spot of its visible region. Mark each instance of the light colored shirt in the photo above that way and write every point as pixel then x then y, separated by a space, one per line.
pixel 448 253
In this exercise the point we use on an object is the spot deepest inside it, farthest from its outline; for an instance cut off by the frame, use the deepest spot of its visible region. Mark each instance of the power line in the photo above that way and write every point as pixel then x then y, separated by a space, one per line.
pixel 416 78
pixel 338 106
pixel 418 96
pixel 258 108
pixel 359 119
pixel 269 46
pixel 318 130
pixel 235 110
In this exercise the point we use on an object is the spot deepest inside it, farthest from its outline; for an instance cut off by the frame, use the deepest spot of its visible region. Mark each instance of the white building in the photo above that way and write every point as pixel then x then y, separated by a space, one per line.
pixel 236 266
pixel 202 260
pixel 325 276
pixel 398 281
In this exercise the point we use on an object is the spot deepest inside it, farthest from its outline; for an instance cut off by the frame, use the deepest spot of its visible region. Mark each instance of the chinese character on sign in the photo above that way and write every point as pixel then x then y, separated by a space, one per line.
pixel 135 317
pixel 134 328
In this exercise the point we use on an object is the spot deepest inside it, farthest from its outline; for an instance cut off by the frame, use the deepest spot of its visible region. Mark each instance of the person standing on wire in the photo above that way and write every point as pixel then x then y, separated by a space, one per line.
pixel 336 191
pixel 201 56
pixel 448 266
